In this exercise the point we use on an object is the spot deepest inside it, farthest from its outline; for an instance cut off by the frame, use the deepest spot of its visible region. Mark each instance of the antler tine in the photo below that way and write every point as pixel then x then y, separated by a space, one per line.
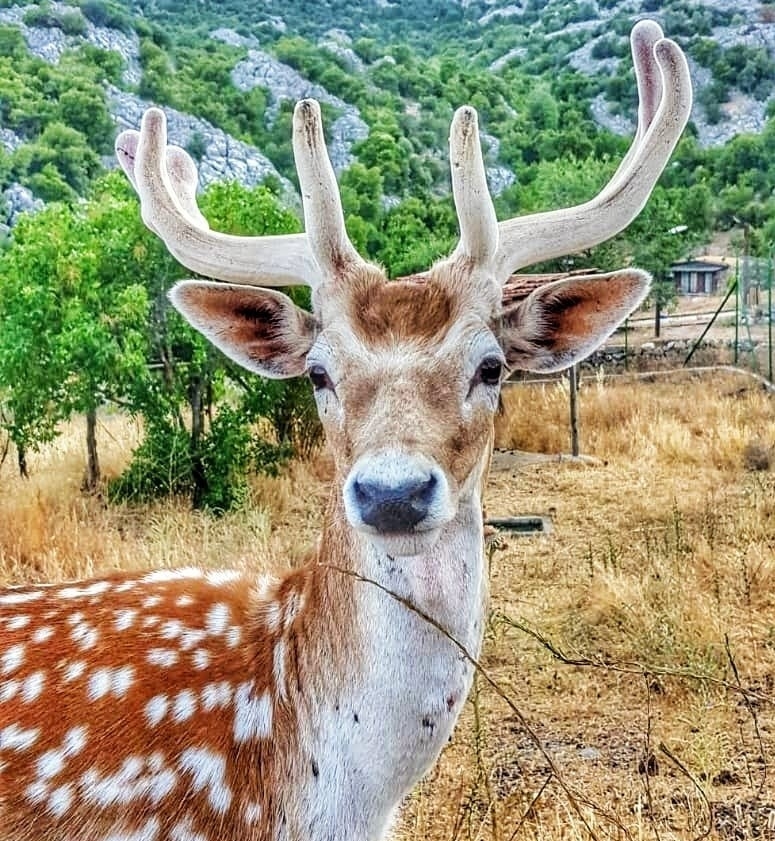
pixel 542 236
pixel 165 180
pixel 473 203
pixel 643 39
pixel 180 168
pixel 323 215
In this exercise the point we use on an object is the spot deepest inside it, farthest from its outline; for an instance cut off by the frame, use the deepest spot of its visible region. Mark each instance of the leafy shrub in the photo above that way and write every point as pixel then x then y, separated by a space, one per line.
pixel 72 22
pixel 161 466
pixel 109 15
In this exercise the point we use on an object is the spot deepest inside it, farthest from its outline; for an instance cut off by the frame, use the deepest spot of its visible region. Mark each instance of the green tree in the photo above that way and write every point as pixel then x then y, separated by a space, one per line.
pixel 72 320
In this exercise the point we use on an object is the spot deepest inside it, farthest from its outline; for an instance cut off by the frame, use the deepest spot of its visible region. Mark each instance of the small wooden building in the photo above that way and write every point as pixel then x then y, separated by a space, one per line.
pixel 699 277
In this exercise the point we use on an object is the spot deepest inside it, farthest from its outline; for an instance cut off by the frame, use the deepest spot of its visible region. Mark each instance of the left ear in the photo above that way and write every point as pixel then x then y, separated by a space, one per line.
pixel 260 329
pixel 563 322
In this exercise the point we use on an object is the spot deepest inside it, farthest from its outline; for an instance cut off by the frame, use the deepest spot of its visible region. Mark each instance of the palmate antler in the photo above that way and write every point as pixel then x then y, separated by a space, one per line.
pixel 165 179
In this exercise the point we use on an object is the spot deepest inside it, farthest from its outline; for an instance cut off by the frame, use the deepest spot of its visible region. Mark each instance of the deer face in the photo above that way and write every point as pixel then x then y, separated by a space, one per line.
pixel 406 377
pixel 406 388
pixel 407 373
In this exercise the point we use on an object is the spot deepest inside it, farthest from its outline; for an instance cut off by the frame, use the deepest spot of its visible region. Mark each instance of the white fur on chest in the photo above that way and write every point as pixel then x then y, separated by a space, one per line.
pixel 389 724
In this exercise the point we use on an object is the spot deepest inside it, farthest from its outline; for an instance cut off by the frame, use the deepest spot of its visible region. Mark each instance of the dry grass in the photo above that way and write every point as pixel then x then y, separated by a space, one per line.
pixel 636 642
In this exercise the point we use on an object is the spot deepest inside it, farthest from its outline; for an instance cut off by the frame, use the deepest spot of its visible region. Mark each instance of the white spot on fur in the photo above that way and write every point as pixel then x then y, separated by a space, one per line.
pixel 124 619
pixel 8 689
pixel 136 778
pixel 32 686
pixel 74 741
pixel 74 670
pixel 216 696
pixel 106 681
pixel 17 738
pixel 201 659
pixel 151 601
pixel 77 592
pixel 252 716
pixel 233 636
pixel 60 800
pixel 218 577
pixel 208 771
pixel 252 813
pixel 171 629
pixel 12 659
pixel 278 658
pixel 37 792
pixel 50 763
pixel 184 706
pixel 84 635
pixel 293 607
pixel 191 638
pixel 159 576
pixel 148 832
pixel 43 634
pixel 217 620
pixel 17 622
pixel 272 616
pixel 20 598
pixel 164 657
pixel 156 709
pixel 184 831
pixel 184 601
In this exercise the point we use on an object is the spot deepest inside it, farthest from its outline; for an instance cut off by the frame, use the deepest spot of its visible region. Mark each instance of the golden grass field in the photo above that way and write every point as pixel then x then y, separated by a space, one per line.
pixel 632 650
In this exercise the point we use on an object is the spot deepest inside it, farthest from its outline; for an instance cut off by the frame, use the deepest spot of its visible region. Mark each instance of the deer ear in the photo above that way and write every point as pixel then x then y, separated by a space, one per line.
pixel 562 322
pixel 260 329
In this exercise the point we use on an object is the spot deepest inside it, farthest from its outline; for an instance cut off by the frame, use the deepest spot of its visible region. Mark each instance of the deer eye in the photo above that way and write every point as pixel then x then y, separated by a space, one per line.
pixel 490 371
pixel 319 377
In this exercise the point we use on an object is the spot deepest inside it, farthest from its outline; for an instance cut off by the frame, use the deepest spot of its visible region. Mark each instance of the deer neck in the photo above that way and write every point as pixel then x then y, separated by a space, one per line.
pixel 395 682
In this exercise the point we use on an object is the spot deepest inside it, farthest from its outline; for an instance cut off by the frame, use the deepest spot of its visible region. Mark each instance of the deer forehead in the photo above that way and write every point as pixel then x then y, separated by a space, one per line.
pixel 402 330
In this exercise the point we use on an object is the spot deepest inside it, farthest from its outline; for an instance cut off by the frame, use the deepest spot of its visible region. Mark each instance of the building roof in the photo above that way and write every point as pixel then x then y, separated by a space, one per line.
pixel 519 286
pixel 698 266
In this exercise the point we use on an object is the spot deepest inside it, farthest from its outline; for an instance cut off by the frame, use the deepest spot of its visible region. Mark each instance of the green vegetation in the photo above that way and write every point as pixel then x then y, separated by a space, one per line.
pixel 85 322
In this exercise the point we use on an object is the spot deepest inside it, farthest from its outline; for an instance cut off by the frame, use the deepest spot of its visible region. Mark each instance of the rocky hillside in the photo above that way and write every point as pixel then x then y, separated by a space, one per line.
pixel 388 74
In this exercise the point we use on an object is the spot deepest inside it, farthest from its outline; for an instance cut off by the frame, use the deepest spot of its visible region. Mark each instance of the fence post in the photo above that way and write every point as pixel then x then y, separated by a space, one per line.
pixel 769 313
pixel 574 409
pixel 737 306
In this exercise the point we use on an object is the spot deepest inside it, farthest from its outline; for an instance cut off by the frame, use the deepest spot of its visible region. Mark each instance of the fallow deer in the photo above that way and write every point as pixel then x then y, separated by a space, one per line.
pixel 192 705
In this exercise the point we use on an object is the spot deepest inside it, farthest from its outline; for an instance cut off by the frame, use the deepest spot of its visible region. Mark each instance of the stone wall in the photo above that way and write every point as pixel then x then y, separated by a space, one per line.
pixel 658 355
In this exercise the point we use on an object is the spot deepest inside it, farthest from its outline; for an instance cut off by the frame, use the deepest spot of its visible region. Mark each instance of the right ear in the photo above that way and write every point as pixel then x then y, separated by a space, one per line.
pixel 260 329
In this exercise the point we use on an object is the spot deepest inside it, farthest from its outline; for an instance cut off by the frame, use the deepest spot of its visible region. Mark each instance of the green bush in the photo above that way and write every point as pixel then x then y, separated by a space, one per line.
pixel 161 466
pixel 109 15
pixel 72 22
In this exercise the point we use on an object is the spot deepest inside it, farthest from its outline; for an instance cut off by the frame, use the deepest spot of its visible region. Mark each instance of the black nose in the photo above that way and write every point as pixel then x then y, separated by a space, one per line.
pixel 394 508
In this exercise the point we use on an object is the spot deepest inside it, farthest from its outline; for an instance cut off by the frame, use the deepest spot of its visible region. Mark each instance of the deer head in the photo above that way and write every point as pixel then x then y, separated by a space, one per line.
pixel 406 373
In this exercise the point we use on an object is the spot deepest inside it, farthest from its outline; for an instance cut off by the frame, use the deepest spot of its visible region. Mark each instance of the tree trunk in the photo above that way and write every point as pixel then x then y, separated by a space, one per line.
pixel 196 393
pixel 92 479
pixel 21 457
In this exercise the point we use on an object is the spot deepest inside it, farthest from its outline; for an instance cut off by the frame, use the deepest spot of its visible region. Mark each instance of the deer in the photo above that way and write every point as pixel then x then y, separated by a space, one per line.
pixel 203 704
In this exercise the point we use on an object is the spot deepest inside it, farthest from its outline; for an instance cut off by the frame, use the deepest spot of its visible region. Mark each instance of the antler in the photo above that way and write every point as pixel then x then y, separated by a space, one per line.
pixel 473 203
pixel 165 178
pixel 665 93
pixel 323 215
